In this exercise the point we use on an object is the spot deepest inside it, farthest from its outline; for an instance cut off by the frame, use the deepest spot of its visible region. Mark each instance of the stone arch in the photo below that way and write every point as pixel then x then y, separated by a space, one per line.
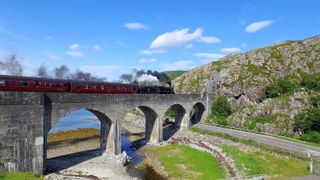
pixel 106 124
pixel 198 114
pixel 169 128
pixel 151 130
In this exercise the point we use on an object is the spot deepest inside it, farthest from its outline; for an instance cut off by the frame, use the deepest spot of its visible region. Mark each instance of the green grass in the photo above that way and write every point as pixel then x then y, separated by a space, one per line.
pixel 174 74
pixel 297 140
pixel 249 143
pixel 19 176
pixel 184 162
pixel 262 162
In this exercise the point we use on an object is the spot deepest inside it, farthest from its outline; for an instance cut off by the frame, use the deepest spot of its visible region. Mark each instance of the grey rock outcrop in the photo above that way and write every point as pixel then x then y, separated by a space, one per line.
pixel 243 77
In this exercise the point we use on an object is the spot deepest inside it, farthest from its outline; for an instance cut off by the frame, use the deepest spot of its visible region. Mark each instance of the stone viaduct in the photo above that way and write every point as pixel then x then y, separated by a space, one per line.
pixel 27 117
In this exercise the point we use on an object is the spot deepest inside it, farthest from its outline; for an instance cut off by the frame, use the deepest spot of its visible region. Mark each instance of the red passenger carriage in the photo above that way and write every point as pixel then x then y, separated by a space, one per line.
pixel 17 83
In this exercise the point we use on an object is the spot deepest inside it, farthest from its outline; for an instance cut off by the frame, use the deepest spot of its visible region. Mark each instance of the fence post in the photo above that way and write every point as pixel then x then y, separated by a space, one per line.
pixel 310 163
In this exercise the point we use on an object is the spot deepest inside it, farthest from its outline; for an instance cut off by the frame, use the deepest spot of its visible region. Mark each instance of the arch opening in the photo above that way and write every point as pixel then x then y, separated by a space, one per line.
pixel 76 137
pixel 172 120
pixel 150 133
pixel 197 113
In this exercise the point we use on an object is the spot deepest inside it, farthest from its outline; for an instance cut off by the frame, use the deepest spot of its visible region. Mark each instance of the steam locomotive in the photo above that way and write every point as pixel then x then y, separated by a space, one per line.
pixel 33 84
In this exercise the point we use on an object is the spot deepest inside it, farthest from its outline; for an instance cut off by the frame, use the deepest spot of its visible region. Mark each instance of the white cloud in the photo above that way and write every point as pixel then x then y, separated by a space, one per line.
pixel 179 65
pixel 135 26
pixel 256 26
pixel 97 47
pixel 230 50
pixel 209 56
pixel 54 57
pixel 179 38
pixel 76 54
pixel 145 60
pixel 152 51
pixel 74 46
pixel 210 39
pixel 175 38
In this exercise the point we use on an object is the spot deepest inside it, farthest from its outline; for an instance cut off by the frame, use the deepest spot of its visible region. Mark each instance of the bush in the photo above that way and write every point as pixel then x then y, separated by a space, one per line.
pixel 311 137
pixel 280 87
pixel 315 101
pixel 170 113
pixel 311 82
pixel 221 120
pixel 220 107
pixel 308 121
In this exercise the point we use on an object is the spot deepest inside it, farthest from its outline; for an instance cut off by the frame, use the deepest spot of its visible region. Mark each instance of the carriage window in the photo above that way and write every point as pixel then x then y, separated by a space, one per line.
pixel 94 87
pixel 86 86
pixel 124 88
pixel 49 84
pixel 102 87
pixel 118 88
pixel 3 82
pixel 57 84
pixel 107 88
pixel 36 84
pixel 24 83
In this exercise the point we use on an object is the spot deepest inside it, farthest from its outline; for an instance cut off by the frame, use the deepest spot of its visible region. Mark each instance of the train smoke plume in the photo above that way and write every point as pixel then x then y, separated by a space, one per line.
pixel 43 72
pixel 137 75
pixel 63 72
pixel 10 65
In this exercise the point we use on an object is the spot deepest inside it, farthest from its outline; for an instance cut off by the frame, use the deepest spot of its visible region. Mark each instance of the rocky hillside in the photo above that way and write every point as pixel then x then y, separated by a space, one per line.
pixel 243 77
pixel 253 83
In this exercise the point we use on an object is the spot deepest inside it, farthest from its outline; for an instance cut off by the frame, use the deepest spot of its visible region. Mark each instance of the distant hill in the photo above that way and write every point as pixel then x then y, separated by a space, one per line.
pixel 174 74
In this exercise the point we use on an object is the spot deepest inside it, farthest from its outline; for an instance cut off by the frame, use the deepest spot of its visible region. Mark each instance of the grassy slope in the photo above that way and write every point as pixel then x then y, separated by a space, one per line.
pixel 266 161
pixel 20 176
pixel 73 134
pixel 262 162
pixel 174 74
pixel 184 162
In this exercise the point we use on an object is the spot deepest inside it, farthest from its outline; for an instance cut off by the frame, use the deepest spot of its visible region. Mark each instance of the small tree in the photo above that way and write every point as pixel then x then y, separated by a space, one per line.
pixel 220 107
pixel 280 87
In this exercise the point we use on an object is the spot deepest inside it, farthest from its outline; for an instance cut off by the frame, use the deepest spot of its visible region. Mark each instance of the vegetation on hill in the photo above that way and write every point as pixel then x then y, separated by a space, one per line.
pixel 174 74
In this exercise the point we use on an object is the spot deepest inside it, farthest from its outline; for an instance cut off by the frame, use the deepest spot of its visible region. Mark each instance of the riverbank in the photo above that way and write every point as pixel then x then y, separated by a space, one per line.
pixel 169 159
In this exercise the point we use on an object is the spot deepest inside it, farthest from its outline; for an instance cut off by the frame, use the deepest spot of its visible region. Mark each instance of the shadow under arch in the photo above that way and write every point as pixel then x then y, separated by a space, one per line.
pixel 197 114
pixel 69 160
pixel 169 127
pixel 150 129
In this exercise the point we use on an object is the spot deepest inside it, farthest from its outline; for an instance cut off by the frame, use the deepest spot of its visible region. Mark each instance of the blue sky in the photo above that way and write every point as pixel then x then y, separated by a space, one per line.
pixel 108 38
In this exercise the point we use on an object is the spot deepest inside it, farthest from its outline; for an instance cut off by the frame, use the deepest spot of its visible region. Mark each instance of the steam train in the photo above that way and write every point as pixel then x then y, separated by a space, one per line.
pixel 33 84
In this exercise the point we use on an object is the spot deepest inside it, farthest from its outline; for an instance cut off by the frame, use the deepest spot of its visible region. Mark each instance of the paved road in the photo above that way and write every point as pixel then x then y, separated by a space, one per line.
pixel 264 139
